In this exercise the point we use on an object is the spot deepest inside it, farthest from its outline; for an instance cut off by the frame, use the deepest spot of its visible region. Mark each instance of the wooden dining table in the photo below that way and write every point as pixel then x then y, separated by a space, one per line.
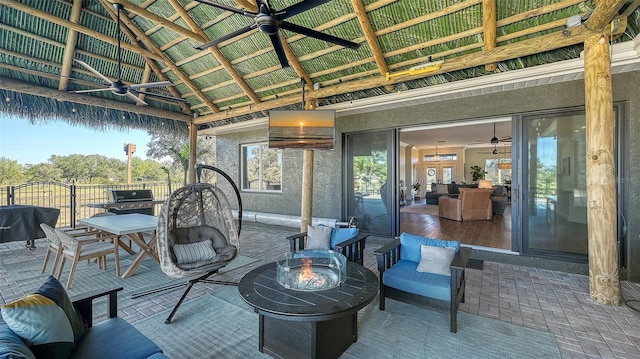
pixel 134 226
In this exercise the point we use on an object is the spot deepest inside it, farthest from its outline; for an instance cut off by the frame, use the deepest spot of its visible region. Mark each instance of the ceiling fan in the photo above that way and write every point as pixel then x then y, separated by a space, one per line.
pixel 494 140
pixel 120 88
pixel 269 21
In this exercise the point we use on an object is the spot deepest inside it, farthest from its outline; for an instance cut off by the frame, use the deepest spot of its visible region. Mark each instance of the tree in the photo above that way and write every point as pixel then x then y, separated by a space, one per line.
pixel 11 172
pixel 43 172
pixel 176 147
pixel 146 170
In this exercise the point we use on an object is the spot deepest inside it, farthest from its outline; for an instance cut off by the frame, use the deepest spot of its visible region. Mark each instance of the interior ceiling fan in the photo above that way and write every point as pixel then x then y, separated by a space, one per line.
pixel 269 21
pixel 120 88
pixel 494 140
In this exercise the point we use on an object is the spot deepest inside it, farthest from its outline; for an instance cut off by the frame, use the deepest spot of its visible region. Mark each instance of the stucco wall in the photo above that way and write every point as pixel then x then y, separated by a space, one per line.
pixel 327 176
pixel 326 179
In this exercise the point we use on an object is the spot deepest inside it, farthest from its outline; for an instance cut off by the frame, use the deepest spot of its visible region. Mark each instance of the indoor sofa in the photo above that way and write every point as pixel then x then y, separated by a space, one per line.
pixel 60 328
pixel 413 268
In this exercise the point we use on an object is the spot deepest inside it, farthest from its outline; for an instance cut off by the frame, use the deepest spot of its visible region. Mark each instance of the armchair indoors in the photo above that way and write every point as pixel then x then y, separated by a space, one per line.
pixel 472 204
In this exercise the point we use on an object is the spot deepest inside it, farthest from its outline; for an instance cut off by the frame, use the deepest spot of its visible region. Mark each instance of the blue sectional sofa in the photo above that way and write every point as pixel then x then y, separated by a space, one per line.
pixel 400 278
pixel 111 338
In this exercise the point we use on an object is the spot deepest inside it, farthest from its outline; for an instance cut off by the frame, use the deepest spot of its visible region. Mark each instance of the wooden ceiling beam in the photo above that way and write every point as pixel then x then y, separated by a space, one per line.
pixel 215 51
pixel 440 55
pixel 145 39
pixel 603 14
pixel 429 16
pixel 631 8
pixel 149 62
pixel 293 38
pixel 50 75
pixel 548 42
pixel 294 62
pixel 81 29
pixel 538 12
pixel 146 74
pixel 70 47
pixel 489 28
pixel 36 90
pixel 370 36
pixel 132 8
pixel 248 5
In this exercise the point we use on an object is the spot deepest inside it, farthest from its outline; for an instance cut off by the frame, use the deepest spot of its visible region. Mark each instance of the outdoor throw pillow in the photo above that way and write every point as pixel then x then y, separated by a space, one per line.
pixel 194 252
pixel 436 259
pixel 318 237
pixel 46 320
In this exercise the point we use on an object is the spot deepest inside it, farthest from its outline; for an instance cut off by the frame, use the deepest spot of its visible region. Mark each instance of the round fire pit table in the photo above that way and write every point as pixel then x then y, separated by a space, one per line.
pixel 307 324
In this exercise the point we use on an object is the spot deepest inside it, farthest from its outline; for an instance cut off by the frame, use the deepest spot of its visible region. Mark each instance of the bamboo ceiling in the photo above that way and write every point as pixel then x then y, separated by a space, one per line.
pixel 241 78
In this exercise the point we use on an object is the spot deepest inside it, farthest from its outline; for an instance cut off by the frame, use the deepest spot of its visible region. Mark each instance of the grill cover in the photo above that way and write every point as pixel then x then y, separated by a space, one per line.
pixel 22 223
pixel 130 195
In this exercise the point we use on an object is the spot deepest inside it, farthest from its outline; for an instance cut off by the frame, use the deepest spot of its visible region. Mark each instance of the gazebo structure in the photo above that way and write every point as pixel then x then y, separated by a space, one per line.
pixel 54 51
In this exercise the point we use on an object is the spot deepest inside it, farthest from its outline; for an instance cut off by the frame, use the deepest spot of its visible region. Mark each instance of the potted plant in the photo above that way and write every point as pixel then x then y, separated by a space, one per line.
pixel 477 173
pixel 416 188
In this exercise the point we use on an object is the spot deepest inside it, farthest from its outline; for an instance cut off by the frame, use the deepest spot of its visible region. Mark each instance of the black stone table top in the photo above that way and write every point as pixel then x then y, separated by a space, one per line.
pixel 260 289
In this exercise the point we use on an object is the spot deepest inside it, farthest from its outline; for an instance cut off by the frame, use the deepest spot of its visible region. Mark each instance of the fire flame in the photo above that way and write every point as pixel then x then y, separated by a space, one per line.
pixel 307 274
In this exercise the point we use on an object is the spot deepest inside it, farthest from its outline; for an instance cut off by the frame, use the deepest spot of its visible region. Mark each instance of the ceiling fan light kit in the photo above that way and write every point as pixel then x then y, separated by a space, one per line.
pixel 269 22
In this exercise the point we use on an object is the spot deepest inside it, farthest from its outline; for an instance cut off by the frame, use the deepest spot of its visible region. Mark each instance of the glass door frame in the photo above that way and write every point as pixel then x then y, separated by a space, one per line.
pixel 392 193
pixel 520 173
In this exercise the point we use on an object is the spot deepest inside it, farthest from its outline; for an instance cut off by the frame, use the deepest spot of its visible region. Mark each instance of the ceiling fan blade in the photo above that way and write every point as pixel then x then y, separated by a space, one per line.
pixel 228 8
pixel 151 94
pixel 94 71
pixel 226 37
pixel 277 46
pixel 93 90
pixel 318 35
pixel 136 99
pixel 302 6
pixel 150 85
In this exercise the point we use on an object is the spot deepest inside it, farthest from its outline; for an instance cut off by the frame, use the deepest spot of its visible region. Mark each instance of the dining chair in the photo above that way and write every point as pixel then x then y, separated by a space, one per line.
pixel 55 247
pixel 77 249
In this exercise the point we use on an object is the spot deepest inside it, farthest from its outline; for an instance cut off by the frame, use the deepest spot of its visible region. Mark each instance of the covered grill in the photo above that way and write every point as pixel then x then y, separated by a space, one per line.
pixel 125 201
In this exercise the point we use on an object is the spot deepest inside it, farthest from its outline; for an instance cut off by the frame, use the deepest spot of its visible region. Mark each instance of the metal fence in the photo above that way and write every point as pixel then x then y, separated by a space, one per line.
pixel 72 199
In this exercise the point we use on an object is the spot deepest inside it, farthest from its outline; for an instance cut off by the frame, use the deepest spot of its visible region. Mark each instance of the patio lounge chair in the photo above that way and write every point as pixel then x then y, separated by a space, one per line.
pixel 197 234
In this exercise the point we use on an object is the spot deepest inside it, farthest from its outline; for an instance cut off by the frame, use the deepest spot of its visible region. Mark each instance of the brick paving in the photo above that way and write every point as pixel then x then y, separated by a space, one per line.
pixel 542 299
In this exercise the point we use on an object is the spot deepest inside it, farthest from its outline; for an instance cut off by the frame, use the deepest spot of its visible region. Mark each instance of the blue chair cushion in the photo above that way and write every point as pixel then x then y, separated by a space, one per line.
pixel 111 338
pixel 410 246
pixel 339 235
pixel 403 276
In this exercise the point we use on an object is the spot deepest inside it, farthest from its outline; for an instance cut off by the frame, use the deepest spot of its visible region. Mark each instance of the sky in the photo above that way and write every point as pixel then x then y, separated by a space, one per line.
pixel 33 144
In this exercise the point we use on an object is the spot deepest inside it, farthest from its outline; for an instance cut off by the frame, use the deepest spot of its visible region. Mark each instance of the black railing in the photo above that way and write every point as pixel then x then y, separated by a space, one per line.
pixel 73 199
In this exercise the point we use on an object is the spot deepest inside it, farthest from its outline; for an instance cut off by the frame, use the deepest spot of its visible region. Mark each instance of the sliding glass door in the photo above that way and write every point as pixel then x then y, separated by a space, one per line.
pixel 370 187
pixel 554 184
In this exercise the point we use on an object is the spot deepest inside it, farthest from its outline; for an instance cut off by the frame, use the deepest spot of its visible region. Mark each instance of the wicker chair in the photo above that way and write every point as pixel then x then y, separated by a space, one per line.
pixel 197 233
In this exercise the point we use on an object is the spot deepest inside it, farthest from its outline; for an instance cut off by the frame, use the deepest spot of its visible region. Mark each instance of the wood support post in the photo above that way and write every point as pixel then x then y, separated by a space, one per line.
pixel 604 281
pixel 307 190
pixel 193 147
pixel 490 28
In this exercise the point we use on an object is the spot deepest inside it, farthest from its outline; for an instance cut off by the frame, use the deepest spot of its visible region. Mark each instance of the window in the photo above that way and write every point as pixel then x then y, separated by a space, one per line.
pixel 261 168
pixel 497 172
pixel 442 157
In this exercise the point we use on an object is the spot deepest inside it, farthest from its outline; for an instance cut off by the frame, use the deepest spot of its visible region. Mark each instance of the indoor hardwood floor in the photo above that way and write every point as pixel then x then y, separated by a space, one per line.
pixel 495 233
